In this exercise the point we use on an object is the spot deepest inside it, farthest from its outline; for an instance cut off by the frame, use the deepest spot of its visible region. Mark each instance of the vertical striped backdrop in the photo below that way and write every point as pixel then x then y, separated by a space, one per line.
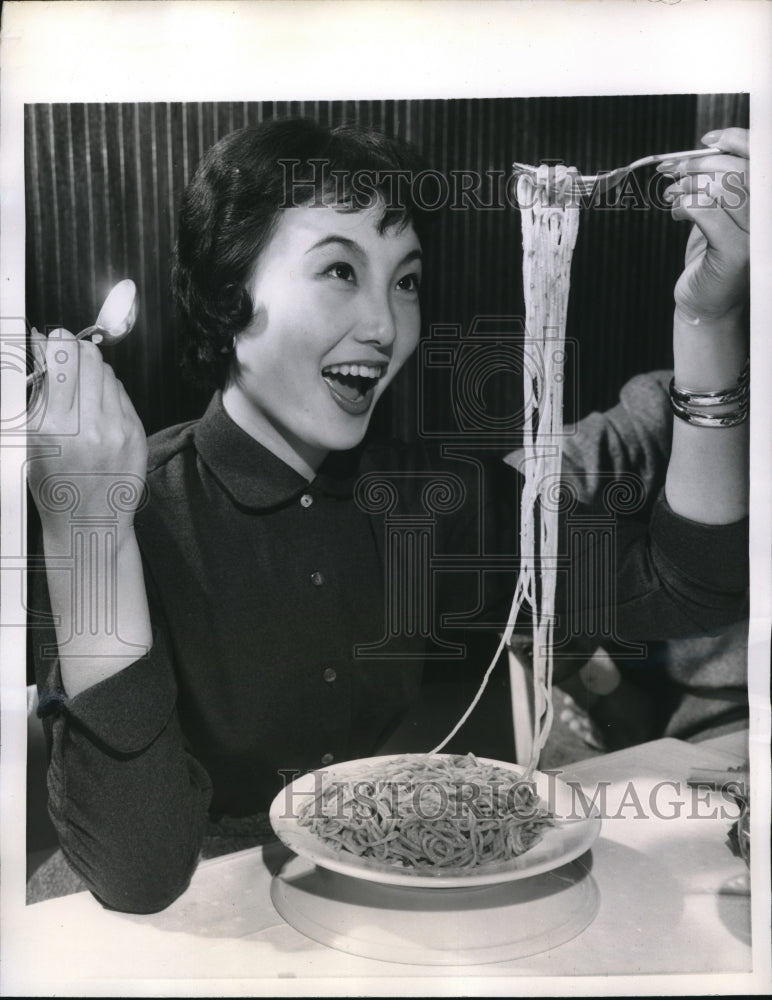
pixel 103 183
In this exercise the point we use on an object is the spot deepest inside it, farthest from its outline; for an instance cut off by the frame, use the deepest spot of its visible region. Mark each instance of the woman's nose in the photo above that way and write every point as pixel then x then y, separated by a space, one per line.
pixel 377 324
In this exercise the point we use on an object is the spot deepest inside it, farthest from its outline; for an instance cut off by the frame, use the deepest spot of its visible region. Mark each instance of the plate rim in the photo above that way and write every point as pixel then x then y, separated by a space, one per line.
pixel 355 867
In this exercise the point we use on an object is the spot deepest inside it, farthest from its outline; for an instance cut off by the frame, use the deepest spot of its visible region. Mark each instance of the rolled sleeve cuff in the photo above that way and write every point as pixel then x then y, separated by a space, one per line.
pixel 712 555
pixel 127 712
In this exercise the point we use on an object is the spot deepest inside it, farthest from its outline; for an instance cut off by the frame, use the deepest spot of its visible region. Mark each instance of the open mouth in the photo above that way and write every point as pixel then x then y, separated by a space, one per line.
pixel 352 385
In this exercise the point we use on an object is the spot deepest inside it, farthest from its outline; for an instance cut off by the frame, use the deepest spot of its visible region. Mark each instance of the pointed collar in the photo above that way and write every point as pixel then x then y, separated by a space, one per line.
pixel 256 478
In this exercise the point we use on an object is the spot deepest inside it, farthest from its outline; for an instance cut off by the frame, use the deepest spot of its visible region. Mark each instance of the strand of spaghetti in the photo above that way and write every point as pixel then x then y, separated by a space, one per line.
pixel 549 235
pixel 533 282
pixel 549 228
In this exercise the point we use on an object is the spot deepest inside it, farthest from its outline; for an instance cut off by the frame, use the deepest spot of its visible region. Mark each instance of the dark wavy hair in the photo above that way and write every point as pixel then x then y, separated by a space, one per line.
pixel 231 207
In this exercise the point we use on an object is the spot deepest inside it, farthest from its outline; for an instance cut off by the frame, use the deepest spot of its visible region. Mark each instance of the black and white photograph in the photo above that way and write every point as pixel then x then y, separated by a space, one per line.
pixel 387 551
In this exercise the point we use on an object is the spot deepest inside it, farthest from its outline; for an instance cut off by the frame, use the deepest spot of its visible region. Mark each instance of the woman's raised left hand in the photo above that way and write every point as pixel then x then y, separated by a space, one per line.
pixel 713 192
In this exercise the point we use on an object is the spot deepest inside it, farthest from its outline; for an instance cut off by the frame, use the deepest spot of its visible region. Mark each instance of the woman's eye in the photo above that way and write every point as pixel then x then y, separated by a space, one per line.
pixel 341 270
pixel 410 283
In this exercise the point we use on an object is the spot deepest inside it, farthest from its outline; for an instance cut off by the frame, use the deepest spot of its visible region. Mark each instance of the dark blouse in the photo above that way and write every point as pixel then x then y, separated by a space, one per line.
pixel 291 621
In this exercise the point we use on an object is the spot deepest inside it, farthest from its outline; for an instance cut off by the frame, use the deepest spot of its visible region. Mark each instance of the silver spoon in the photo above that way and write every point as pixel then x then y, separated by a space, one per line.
pixel 115 321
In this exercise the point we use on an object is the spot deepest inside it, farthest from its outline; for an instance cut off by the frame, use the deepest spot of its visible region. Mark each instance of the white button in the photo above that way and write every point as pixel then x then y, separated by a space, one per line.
pixel 328 758
pixel 306 500
pixel 317 579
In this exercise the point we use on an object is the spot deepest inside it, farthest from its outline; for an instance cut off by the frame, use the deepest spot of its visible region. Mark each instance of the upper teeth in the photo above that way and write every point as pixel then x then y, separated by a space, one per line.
pixel 366 371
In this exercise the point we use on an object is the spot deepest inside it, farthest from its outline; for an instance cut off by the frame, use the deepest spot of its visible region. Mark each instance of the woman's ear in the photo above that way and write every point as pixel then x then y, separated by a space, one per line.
pixel 234 307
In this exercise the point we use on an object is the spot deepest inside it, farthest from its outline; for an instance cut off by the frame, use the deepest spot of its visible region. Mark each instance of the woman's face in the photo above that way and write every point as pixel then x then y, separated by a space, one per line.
pixel 336 317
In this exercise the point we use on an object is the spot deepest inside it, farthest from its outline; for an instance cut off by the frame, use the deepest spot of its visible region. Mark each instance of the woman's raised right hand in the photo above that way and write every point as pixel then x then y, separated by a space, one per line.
pixel 93 455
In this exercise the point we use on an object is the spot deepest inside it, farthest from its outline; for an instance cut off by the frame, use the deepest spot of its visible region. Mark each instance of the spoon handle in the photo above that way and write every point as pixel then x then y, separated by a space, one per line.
pixel 90 331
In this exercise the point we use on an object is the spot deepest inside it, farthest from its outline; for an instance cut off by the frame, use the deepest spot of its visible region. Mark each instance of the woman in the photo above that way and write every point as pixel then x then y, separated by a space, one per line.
pixel 249 589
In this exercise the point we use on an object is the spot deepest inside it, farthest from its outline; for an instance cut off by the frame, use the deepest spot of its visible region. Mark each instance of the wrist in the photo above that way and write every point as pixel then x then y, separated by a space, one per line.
pixel 58 531
pixel 734 318
pixel 98 502
pixel 722 408
pixel 709 354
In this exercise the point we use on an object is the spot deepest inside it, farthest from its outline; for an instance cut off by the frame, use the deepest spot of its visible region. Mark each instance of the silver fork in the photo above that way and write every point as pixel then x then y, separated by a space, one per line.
pixel 601 183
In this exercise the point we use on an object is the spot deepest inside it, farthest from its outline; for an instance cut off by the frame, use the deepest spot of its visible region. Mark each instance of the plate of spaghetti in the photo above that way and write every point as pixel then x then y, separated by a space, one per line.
pixel 434 820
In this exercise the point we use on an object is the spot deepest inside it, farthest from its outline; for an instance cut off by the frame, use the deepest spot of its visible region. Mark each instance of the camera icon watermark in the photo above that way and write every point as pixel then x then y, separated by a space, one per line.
pixel 26 383
pixel 478 387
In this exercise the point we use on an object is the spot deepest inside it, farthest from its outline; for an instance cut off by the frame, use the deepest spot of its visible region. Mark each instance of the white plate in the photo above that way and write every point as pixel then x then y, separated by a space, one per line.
pixel 574 833
pixel 473 926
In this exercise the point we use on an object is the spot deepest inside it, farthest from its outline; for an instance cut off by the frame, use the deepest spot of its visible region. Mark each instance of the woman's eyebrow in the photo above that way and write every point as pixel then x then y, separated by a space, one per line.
pixel 357 248
pixel 411 256
pixel 341 240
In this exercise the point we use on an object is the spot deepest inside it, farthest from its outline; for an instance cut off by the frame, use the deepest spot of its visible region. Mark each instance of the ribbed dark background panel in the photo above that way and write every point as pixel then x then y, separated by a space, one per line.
pixel 104 182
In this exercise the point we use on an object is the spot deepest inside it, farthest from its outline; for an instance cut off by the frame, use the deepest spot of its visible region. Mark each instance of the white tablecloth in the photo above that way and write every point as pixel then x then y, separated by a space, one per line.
pixel 673 900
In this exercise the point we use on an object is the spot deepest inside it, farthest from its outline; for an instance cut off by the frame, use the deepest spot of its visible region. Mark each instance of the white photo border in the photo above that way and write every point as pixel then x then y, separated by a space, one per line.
pixel 176 50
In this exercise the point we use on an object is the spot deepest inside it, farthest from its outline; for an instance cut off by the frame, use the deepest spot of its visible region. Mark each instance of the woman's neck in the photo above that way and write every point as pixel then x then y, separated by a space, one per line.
pixel 297 454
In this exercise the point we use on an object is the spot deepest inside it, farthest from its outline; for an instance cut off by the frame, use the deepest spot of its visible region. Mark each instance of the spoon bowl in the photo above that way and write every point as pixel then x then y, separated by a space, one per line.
pixel 117 316
pixel 115 321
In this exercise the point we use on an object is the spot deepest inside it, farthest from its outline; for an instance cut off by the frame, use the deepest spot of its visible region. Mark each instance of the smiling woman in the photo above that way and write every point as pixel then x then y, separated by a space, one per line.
pixel 243 190
pixel 336 315
pixel 257 589
pixel 306 294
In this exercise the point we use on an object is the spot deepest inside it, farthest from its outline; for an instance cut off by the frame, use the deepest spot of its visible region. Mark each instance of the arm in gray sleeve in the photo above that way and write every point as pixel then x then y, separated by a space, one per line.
pixel 128 801
pixel 630 439
pixel 671 577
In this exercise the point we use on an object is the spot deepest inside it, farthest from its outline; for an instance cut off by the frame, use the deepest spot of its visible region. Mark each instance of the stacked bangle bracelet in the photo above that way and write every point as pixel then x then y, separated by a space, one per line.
pixel 695 407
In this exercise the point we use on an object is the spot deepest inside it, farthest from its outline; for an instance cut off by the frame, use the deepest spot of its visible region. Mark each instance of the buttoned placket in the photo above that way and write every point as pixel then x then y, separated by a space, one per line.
pixel 316 577
pixel 329 674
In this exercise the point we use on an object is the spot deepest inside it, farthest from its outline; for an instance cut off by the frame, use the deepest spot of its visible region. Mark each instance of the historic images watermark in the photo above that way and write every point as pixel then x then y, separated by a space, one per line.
pixel 461 190
pixel 562 799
